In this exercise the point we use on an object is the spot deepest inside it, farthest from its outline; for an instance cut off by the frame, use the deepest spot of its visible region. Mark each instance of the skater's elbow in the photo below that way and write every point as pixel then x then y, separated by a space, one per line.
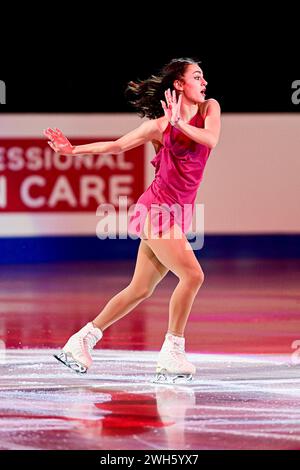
pixel 213 142
pixel 117 148
pixel 122 145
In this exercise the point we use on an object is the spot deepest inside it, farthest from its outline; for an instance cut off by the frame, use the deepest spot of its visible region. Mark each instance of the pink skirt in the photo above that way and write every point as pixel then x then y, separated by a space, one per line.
pixel 153 216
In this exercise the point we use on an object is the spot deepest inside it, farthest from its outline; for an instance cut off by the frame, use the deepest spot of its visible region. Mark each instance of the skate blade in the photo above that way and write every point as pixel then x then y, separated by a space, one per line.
pixel 163 377
pixel 70 362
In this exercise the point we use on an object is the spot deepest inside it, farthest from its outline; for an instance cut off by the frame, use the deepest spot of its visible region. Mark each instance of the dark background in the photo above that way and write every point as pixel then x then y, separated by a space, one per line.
pixel 83 65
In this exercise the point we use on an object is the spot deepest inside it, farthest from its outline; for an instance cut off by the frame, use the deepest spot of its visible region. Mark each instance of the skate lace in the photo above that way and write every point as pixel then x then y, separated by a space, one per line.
pixel 90 340
pixel 177 352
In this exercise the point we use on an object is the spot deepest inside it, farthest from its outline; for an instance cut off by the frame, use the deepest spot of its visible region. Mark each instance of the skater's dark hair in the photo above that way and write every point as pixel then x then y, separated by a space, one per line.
pixel 148 93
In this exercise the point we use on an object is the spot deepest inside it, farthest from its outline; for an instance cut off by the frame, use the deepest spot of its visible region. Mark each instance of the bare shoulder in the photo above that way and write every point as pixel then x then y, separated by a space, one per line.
pixel 209 107
pixel 159 126
pixel 152 125
pixel 213 105
pixel 162 123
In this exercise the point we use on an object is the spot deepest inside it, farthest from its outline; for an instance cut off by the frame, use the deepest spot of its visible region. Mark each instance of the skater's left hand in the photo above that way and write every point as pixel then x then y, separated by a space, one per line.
pixel 172 109
pixel 58 141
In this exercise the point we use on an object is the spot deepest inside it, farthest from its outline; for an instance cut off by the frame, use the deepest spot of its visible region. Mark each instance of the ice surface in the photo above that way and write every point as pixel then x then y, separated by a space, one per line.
pixel 234 402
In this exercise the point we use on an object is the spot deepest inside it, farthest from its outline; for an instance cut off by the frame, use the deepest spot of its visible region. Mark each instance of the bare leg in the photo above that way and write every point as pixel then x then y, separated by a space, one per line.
pixel 173 254
pixel 149 271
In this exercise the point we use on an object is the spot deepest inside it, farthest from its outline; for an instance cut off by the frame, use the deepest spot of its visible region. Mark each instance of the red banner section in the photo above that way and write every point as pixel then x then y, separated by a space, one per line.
pixel 35 179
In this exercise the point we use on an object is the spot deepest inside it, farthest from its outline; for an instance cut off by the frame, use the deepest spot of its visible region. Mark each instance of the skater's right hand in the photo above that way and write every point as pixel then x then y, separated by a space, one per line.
pixel 58 141
pixel 172 108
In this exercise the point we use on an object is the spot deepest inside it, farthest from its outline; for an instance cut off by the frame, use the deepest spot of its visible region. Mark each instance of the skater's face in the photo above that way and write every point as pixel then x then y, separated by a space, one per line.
pixel 192 85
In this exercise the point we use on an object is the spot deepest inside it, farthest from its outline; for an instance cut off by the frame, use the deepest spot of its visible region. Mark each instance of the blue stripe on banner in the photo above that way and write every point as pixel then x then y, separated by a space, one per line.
pixel 64 248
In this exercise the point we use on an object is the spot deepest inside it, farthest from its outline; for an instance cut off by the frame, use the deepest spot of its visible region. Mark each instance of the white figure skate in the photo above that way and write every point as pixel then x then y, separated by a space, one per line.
pixel 172 365
pixel 76 353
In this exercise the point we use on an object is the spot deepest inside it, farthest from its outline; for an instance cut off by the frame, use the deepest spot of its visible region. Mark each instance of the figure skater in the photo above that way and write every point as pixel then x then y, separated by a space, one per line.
pixel 183 127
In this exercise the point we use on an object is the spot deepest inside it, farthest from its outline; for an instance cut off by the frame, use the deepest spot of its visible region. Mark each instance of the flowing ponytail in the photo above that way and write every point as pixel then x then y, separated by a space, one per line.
pixel 148 93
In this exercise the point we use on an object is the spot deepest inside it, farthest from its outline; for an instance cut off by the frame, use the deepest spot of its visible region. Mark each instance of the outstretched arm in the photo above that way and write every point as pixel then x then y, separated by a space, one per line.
pixel 147 131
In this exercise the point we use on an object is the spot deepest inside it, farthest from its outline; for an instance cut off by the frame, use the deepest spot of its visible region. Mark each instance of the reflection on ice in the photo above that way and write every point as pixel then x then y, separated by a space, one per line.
pixel 235 402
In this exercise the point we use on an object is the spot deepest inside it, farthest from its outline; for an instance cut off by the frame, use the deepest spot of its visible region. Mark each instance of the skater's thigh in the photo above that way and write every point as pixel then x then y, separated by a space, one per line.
pixel 148 269
pixel 175 253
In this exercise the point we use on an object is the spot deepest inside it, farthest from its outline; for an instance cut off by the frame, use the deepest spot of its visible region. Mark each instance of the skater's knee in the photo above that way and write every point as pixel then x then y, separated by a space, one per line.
pixel 194 277
pixel 197 277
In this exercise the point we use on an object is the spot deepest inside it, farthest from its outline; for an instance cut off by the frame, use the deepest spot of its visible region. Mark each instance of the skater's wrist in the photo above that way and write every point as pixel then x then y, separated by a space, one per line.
pixel 175 121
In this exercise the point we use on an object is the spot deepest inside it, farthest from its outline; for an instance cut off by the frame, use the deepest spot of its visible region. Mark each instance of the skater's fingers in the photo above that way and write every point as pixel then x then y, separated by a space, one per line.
pixel 47 133
pixel 51 132
pixel 59 132
pixel 53 146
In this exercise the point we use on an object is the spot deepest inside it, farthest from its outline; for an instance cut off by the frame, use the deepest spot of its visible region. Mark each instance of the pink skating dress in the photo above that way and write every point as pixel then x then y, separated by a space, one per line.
pixel 170 198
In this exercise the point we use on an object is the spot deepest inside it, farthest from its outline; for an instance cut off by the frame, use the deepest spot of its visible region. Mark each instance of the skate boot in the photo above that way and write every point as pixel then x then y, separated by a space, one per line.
pixel 172 365
pixel 76 353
